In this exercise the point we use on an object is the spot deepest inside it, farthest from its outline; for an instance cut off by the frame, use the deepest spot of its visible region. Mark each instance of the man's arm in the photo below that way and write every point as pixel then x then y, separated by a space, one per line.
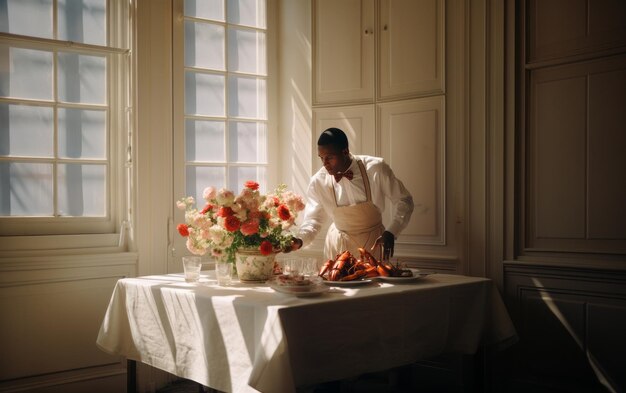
pixel 402 208
pixel 314 217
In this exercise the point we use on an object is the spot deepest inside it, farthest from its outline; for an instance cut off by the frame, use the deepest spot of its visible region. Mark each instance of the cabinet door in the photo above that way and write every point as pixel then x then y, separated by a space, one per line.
pixel 357 122
pixel 343 37
pixel 411 48
pixel 412 143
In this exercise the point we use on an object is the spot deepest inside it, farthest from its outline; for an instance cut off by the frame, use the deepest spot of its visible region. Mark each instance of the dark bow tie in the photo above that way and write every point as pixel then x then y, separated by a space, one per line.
pixel 347 174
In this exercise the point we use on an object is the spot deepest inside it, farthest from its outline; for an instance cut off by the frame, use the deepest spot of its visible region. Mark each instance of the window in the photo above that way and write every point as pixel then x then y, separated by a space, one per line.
pixel 63 115
pixel 224 81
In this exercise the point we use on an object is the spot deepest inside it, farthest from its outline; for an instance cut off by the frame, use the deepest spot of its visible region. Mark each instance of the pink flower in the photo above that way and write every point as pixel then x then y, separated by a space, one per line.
pixel 250 227
pixel 209 193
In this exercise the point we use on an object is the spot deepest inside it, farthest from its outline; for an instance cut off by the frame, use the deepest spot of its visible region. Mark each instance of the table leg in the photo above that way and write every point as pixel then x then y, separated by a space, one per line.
pixel 131 376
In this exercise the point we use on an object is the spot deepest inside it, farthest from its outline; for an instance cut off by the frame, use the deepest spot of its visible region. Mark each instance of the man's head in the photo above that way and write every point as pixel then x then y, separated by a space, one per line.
pixel 332 149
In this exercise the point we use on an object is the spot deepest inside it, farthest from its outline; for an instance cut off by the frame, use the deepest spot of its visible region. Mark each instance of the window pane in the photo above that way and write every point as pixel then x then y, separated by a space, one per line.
pixel 82 21
pixel 82 133
pixel 247 142
pixel 198 178
pixel 82 78
pixel 239 175
pixel 26 131
pixel 207 9
pixel 204 45
pixel 204 141
pixel 26 189
pixel 247 12
pixel 82 189
pixel 246 97
pixel 30 73
pixel 204 94
pixel 26 17
pixel 246 51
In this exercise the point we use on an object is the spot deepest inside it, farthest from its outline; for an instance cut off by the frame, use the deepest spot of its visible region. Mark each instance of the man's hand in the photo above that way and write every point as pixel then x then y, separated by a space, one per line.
pixel 386 241
pixel 296 244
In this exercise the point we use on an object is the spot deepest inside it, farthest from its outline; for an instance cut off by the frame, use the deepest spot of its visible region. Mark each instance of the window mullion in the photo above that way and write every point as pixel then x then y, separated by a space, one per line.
pixel 55 20
pixel 226 102
pixel 55 128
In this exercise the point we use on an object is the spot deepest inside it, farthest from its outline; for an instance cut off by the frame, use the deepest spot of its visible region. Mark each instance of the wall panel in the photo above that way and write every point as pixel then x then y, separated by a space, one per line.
pixel 574 157
pixel 52 311
pixel 570 323
pixel 561 28
pixel 412 143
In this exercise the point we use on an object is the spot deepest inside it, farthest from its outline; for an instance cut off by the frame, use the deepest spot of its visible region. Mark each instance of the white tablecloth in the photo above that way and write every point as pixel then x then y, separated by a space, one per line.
pixel 248 337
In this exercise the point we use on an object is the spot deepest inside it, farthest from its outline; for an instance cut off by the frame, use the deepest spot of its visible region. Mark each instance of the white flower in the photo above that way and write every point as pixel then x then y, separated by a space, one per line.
pixel 195 247
pixel 225 197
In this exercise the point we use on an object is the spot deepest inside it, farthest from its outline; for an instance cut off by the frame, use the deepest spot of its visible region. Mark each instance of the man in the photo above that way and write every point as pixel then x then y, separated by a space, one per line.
pixel 351 191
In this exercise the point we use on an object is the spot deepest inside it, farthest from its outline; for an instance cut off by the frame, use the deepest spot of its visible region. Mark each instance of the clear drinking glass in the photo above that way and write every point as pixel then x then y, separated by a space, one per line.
pixel 192 266
pixel 292 266
pixel 223 273
pixel 309 267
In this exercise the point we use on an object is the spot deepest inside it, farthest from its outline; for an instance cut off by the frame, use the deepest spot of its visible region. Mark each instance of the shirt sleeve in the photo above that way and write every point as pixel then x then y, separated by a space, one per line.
pixel 314 214
pixel 400 197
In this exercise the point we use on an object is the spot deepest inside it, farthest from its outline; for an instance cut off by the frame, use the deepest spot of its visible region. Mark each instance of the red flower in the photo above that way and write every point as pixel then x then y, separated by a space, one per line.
pixel 283 212
pixel 225 212
pixel 256 215
pixel 266 247
pixel 231 223
pixel 250 227
pixel 207 208
pixel 251 184
pixel 183 230
pixel 276 201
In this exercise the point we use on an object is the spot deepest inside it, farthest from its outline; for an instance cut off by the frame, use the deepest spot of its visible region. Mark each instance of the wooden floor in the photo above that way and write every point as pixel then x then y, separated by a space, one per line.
pixel 374 382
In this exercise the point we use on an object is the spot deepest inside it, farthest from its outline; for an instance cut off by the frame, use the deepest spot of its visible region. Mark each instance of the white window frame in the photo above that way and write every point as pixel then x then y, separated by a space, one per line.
pixel 39 233
pixel 177 246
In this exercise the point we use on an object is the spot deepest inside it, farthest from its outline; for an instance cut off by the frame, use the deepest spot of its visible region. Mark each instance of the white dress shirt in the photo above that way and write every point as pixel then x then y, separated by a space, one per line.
pixel 384 185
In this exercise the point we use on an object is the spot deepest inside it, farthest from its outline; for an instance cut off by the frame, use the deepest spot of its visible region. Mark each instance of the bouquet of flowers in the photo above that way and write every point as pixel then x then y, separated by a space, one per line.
pixel 249 220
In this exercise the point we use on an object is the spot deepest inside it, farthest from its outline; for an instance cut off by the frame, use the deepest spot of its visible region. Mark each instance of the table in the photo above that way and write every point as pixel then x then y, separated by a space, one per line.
pixel 247 338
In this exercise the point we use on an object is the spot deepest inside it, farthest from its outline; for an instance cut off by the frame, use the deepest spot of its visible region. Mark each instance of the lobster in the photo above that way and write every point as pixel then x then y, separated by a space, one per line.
pixel 384 268
pixel 345 267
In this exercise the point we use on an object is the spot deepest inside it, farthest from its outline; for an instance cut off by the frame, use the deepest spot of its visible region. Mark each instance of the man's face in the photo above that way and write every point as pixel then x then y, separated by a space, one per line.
pixel 333 159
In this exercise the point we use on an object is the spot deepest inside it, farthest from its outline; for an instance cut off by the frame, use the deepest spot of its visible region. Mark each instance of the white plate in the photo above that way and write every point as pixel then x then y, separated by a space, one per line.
pixel 302 291
pixel 347 283
pixel 416 276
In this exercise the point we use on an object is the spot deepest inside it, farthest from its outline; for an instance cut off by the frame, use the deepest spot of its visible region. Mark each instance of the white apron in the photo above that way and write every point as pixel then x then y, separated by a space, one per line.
pixel 354 226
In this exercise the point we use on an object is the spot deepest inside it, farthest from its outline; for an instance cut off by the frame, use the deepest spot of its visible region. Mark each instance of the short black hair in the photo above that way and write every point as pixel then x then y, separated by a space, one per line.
pixel 335 137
